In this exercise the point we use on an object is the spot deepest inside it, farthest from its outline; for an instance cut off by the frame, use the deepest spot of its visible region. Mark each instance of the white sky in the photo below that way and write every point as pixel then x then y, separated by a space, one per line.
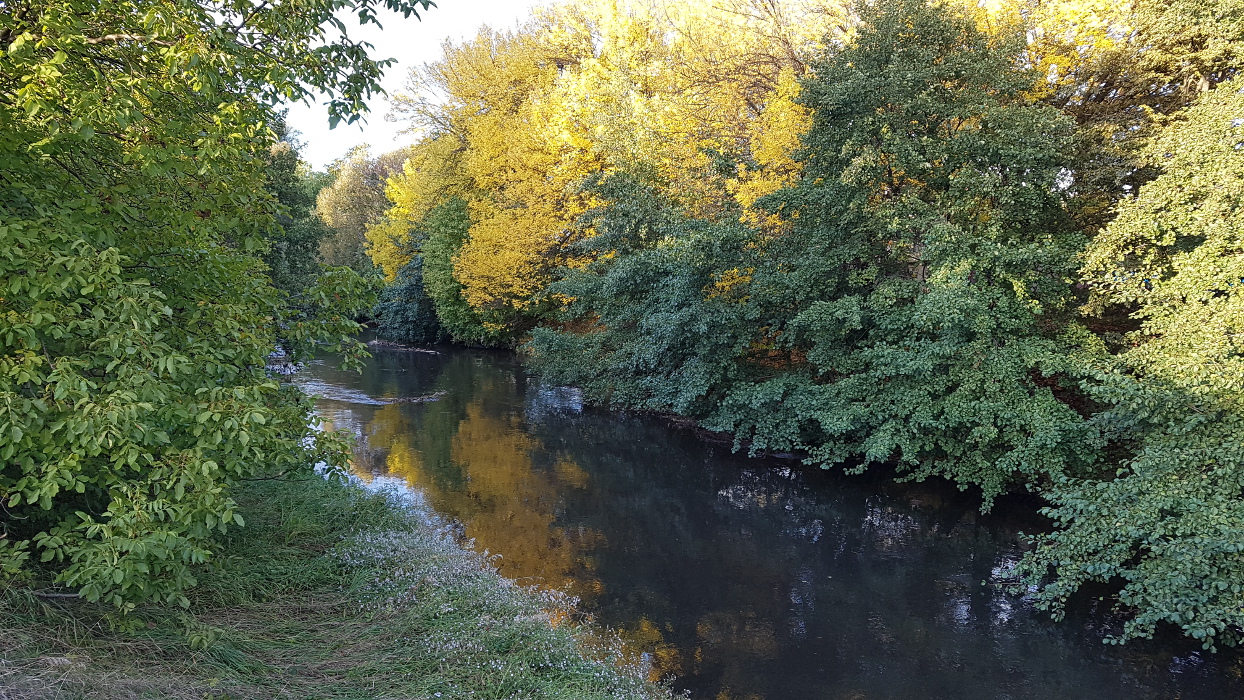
pixel 412 42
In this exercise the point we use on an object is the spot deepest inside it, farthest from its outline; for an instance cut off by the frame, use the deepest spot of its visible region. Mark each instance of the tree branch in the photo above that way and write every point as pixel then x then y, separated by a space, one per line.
pixel 127 37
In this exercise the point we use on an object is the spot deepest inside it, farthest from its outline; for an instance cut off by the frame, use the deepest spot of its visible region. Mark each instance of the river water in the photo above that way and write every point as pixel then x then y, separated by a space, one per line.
pixel 738 578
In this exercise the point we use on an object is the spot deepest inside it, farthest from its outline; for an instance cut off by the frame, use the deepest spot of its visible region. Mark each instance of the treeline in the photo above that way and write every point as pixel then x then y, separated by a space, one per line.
pixel 157 246
pixel 1000 243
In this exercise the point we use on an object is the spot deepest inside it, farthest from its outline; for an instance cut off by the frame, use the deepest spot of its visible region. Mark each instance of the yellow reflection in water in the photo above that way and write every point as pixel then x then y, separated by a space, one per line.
pixel 507 504
pixel 513 506
pixel 479 470
pixel 664 657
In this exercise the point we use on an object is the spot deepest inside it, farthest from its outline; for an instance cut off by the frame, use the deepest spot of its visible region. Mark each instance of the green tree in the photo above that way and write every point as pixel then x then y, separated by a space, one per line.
pixel 1170 524
pixel 137 315
pixel 652 322
pixel 925 285
pixel 293 255
pixel 405 313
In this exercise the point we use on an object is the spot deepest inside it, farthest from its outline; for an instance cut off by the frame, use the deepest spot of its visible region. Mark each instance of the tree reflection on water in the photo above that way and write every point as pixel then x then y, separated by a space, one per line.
pixel 741 578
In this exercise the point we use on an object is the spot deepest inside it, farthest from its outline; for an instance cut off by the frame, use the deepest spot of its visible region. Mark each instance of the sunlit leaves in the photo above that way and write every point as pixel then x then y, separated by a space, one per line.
pixel 1170 526
pixel 517 122
pixel 136 315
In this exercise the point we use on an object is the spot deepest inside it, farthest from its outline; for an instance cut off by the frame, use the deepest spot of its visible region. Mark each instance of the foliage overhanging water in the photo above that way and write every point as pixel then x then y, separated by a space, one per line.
pixel 741 578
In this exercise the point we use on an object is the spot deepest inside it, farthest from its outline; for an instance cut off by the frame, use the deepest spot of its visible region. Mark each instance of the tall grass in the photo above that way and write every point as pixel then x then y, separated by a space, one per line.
pixel 330 591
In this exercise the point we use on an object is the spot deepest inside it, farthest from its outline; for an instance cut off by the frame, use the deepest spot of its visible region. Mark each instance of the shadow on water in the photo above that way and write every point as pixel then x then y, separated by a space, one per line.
pixel 741 578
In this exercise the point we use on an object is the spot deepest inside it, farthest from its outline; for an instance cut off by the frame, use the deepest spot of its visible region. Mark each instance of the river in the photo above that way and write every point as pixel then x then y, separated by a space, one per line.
pixel 739 578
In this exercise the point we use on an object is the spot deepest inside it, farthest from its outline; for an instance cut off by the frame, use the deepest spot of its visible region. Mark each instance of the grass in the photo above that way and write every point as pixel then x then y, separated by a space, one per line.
pixel 330 591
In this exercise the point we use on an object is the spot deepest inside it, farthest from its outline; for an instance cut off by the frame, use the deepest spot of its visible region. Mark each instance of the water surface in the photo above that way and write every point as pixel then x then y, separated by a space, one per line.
pixel 739 578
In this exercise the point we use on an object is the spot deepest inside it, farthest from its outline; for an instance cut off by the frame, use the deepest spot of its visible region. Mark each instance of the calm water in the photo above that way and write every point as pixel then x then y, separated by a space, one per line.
pixel 740 578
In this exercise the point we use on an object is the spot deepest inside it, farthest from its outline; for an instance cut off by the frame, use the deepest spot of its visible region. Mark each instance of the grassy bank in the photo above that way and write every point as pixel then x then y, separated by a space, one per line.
pixel 328 592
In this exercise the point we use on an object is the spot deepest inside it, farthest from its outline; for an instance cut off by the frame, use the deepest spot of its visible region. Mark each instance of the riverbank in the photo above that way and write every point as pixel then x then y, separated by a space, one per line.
pixel 330 591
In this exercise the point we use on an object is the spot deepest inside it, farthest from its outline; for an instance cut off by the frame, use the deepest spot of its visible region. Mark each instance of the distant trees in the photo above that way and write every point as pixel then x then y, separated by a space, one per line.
pixel 353 201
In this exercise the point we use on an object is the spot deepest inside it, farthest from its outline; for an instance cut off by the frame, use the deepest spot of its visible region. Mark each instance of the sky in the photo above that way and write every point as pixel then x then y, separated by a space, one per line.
pixel 412 42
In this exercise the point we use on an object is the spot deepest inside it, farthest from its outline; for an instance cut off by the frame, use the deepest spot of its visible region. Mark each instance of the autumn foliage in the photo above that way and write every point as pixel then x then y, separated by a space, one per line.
pixel 992 242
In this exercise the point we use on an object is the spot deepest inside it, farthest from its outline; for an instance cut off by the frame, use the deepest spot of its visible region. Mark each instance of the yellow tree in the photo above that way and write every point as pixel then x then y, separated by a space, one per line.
pixel 695 97
pixel 700 94
pixel 431 173
pixel 485 105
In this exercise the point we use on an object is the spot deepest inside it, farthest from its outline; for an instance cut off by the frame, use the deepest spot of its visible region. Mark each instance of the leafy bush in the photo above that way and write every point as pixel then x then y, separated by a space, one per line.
pixel 137 315
pixel 639 330
pixel 405 311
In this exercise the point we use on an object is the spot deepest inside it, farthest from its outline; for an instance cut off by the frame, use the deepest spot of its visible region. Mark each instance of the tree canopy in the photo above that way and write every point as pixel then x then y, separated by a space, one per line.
pixel 992 242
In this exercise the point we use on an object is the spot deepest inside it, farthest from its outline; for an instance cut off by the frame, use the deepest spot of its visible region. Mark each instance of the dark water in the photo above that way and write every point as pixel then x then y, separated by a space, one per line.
pixel 741 578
